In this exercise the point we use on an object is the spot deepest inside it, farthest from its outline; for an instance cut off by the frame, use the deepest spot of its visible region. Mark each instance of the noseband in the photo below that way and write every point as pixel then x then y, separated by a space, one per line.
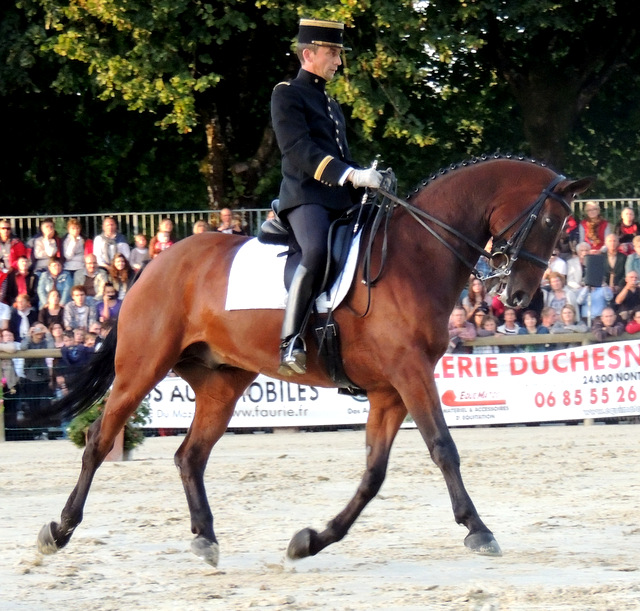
pixel 505 251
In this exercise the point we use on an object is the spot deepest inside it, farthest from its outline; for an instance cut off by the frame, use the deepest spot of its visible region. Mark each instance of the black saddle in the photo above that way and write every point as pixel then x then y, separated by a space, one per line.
pixel 341 233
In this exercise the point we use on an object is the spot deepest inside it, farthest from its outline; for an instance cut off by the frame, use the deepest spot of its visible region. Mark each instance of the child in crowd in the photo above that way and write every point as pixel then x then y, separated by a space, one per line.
pixel 163 241
pixel 488 327
pixel 140 253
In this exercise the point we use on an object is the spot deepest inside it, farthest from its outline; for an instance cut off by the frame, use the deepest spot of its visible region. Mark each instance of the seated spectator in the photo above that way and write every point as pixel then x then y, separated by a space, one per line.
pixel 628 299
pixel 90 340
pixel 548 318
pixel 593 228
pixel 607 325
pixel 228 223
pixel 626 229
pixel 488 327
pixel 201 226
pixel 530 320
pixel 5 316
pixel 633 326
pixel 557 265
pixel 120 275
pixel 109 243
pixel 614 263
pixel 52 311
pixel 21 281
pixel 92 278
pixel 140 253
pixel 479 314
pixel 460 331
pixel 163 238
pixel 568 322
pixel 576 266
pixel 558 294
pixel 476 296
pixel 569 238
pixel 510 326
pixel 633 260
pixel 11 247
pixel 105 328
pixel 35 389
pixel 110 306
pixel 57 331
pixel 76 355
pixel 23 316
pixel 47 245
pixel 75 247
pixel 10 371
pixel 55 277
pixel 78 314
pixel 592 300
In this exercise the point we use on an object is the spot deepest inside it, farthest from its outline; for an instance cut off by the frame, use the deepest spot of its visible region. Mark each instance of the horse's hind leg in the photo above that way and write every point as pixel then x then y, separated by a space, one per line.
pixel 385 417
pixel 122 402
pixel 216 395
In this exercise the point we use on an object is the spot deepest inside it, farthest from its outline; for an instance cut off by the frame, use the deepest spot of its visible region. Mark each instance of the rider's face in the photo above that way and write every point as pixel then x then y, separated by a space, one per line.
pixel 324 62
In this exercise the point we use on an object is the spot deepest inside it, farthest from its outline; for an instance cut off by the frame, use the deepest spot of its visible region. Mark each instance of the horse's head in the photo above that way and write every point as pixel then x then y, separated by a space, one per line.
pixel 521 249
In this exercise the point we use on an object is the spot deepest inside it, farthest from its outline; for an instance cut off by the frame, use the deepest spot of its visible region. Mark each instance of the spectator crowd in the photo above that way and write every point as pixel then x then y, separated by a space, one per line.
pixel 591 284
pixel 66 292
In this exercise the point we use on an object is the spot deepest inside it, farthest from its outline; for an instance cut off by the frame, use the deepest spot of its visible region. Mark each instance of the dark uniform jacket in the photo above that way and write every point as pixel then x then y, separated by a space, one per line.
pixel 310 130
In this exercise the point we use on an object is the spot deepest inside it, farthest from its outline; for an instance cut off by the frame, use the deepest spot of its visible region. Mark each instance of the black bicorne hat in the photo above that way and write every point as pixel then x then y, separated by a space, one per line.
pixel 322 33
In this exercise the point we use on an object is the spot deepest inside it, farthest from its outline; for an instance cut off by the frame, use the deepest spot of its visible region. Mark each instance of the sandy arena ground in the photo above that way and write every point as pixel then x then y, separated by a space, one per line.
pixel 563 502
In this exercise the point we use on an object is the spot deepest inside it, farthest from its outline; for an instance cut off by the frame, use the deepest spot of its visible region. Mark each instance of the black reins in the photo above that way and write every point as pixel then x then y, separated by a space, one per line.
pixel 510 250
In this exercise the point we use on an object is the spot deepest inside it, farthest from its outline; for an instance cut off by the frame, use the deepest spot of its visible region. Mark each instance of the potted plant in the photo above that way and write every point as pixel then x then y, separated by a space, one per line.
pixel 133 432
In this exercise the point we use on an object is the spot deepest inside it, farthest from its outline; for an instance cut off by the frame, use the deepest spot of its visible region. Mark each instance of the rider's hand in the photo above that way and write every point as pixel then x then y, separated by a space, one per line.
pixel 366 178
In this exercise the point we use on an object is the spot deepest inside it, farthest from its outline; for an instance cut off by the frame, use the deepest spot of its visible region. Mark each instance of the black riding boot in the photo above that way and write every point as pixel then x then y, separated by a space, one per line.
pixel 293 357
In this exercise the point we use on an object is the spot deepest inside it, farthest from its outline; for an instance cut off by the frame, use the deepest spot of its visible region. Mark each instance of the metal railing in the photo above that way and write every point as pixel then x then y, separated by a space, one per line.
pixel 132 223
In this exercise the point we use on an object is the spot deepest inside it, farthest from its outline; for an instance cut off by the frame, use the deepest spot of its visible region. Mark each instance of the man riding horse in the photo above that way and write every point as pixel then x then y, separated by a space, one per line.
pixel 316 172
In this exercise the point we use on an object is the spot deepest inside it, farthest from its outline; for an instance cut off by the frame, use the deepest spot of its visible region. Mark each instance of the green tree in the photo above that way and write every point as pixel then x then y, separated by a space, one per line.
pixel 555 58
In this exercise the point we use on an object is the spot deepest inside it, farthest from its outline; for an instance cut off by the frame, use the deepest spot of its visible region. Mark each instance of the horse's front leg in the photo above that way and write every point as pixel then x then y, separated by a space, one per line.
pixel 420 394
pixel 100 439
pixel 385 417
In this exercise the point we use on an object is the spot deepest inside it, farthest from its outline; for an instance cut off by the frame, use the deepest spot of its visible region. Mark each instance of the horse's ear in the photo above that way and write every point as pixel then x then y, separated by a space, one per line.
pixel 576 187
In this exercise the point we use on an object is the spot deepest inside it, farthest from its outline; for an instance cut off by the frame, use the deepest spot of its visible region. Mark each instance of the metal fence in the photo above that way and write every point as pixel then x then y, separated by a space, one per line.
pixel 132 223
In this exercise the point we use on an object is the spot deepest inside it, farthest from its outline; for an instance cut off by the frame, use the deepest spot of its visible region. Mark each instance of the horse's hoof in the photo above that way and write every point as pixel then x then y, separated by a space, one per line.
pixel 209 551
pixel 300 545
pixel 46 543
pixel 483 543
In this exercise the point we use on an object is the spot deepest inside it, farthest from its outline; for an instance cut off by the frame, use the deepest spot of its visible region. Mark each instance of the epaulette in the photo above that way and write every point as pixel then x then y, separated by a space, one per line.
pixel 283 83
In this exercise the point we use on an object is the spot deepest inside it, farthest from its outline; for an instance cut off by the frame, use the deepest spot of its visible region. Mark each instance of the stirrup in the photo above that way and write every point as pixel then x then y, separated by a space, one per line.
pixel 293 356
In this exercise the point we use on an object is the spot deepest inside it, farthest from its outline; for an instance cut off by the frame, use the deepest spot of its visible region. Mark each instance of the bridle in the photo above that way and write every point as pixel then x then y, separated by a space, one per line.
pixel 504 253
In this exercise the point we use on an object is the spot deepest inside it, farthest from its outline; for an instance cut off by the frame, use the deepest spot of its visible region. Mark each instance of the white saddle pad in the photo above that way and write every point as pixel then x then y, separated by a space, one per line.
pixel 256 280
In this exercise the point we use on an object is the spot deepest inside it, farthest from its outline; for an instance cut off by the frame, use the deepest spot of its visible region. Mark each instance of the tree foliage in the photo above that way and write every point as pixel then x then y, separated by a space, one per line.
pixel 165 104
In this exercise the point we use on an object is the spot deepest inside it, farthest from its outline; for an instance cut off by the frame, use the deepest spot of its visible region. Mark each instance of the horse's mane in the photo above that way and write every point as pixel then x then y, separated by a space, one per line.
pixel 473 161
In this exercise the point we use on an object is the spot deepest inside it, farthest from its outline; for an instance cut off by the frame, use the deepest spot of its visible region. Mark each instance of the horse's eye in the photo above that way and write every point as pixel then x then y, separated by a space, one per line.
pixel 548 222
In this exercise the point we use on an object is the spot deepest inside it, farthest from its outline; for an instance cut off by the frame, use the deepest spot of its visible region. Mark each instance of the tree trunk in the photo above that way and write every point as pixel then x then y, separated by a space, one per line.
pixel 213 165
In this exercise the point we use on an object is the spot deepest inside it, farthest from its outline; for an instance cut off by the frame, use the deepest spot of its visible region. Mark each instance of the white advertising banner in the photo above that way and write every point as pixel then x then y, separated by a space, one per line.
pixel 597 381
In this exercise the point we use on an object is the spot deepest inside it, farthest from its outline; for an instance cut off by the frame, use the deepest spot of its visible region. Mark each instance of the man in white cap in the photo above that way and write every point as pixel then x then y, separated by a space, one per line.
pixel 319 180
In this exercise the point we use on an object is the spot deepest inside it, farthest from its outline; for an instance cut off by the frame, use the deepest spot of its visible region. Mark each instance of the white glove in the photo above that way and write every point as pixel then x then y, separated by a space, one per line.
pixel 366 178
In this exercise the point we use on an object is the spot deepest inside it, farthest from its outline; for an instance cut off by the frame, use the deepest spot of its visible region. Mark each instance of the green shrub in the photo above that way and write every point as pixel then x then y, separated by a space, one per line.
pixel 133 433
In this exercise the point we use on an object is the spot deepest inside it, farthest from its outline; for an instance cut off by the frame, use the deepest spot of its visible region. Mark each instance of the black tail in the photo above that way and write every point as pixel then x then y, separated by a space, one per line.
pixel 90 383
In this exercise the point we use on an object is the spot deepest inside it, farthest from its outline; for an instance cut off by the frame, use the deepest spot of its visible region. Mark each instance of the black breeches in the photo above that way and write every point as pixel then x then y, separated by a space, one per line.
pixel 310 224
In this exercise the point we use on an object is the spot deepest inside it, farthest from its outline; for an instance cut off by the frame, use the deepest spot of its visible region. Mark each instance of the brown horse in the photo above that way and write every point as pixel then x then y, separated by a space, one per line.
pixel 174 318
